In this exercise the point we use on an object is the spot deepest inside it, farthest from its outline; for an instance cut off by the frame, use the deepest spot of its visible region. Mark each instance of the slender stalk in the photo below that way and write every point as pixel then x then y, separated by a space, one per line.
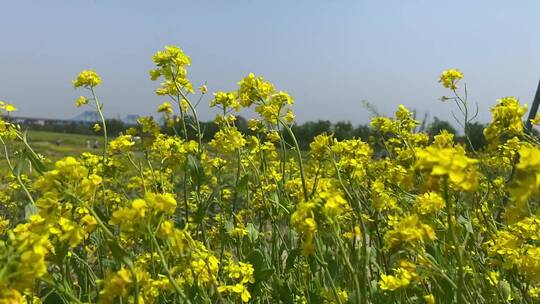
pixel 177 288
pixel 455 244
pixel 324 265
pixel 103 123
pixel 17 175
pixel 298 156
pixel 195 117
pixel 351 269
pixel 62 290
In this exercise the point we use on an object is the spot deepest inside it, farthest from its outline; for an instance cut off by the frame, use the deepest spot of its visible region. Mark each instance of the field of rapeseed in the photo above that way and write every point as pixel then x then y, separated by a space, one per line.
pixel 155 218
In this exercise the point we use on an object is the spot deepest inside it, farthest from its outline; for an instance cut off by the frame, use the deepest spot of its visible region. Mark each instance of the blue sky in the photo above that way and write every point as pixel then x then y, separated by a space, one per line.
pixel 329 55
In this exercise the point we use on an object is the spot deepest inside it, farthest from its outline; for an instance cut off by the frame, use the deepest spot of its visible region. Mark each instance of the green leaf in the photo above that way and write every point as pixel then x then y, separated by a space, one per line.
pixel 60 252
pixel 256 258
pixel 285 292
pixel 32 156
pixel 53 297
pixel 263 274
pixel 242 184
pixel 229 226
pixel 291 258
pixel 262 271
pixel 466 223
pixel 195 169
pixel 200 214
pixel 30 210
pixel 101 215
pixel 36 162
pixel 253 234
pixel 119 254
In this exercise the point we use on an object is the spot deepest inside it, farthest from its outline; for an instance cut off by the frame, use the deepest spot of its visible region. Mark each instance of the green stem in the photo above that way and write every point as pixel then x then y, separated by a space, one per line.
pixel 103 123
pixel 17 175
pixel 196 117
pixel 299 157
pixel 62 290
pixel 177 288
pixel 324 265
pixel 135 282
pixel 351 269
pixel 455 243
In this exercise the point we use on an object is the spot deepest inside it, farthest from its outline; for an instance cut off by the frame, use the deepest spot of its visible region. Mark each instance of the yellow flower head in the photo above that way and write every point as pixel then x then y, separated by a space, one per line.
pixel 203 89
pixel 117 285
pixel 253 89
pixel 506 119
pixel 10 108
pixel 225 100
pixel 451 163
pixel 228 140
pixel 165 108
pixel 289 116
pixel 450 78
pixel 171 64
pixel 408 231
pixel 7 107
pixel 430 299
pixel 81 101
pixel 87 79
pixel 121 144
pixel 430 202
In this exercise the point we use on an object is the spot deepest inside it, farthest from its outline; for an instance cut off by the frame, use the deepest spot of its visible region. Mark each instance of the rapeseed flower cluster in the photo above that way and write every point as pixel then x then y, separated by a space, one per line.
pixel 403 276
pixel 87 79
pixel 507 120
pixel 7 107
pixel 171 64
pixel 448 163
pixel 450 78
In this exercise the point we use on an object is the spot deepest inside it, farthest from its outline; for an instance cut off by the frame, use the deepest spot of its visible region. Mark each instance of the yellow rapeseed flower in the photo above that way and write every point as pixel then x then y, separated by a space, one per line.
pixel 450 78
pixel 81 101
pixel 87 79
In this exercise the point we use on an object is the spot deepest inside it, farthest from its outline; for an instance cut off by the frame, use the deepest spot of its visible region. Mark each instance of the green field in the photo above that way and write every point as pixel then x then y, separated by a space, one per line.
pixel 56 145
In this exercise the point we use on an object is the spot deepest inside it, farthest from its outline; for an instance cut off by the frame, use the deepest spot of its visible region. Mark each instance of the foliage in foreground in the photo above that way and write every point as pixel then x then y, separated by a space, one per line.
pixel 250 219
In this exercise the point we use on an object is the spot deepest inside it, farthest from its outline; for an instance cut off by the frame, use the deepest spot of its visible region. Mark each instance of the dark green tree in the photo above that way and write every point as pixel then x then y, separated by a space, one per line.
pixel 437 125
pixel 343 130
pixel 476 135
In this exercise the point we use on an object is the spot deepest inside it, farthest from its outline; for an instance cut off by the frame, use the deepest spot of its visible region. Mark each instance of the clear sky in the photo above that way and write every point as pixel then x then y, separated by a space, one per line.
pixel 329 55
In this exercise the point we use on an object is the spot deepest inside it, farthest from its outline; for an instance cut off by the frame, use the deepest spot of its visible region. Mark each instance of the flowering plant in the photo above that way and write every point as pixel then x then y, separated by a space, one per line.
pixel 252 218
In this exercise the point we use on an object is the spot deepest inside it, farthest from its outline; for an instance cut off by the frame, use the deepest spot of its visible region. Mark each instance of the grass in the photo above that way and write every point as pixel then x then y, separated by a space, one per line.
pixel 66 138
pixel 55 145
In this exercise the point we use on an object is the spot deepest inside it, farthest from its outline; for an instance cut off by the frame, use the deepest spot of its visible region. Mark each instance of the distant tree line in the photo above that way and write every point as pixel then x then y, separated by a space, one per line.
pixel 114 127
pixel 305 132
pixel 343 130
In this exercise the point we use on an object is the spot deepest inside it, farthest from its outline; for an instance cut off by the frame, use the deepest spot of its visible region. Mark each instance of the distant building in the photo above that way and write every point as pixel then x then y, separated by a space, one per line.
pixel 131 119
pixel 28 121
pixel 87 117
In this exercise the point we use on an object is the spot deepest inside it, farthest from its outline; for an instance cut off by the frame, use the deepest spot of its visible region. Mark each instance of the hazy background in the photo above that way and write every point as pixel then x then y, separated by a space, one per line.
pixel 329 55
